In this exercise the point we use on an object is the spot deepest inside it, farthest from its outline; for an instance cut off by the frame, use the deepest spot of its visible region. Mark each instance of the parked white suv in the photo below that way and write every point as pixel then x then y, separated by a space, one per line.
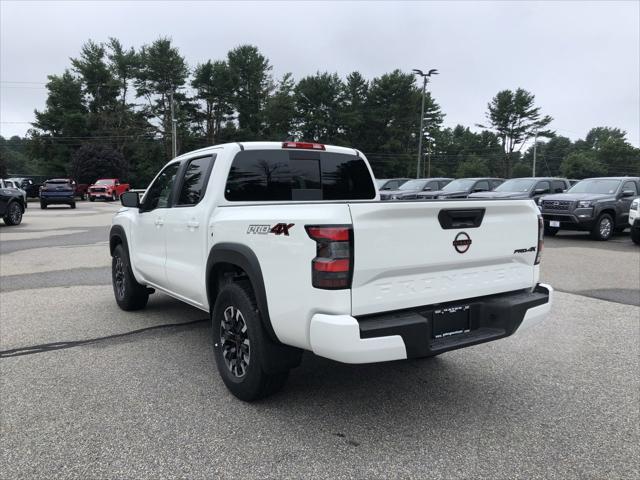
pixel 289 248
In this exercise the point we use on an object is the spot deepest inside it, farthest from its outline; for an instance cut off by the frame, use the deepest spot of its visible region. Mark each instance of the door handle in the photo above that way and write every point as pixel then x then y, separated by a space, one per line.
pixel 159 222
pixel 192 224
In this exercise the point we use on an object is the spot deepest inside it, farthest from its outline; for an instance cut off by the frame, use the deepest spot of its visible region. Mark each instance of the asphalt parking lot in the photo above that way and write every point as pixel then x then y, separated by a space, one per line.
pixel 561 400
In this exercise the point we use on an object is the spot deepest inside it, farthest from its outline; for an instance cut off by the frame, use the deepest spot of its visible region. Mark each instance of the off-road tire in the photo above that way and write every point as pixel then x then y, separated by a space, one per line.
pixel 254 383
pixel 130 295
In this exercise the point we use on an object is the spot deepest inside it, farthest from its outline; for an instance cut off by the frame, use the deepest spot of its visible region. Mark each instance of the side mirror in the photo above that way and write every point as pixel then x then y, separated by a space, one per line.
pixel 628 193
pixel 130 199
pixel 540 191
pixel 426 189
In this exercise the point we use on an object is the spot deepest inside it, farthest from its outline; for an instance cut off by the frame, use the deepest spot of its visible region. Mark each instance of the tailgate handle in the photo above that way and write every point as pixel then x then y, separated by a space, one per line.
pixel 461 218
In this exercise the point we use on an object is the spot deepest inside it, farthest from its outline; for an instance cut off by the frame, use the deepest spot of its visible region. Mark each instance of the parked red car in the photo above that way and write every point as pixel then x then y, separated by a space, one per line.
pixel 107 189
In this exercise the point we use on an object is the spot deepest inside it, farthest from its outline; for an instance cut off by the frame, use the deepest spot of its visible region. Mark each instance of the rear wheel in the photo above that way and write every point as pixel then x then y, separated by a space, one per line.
pixel 72 205
pixel 14 214
pixel 130 295
pixel 43 205
pixel 603 228
pixel 240 344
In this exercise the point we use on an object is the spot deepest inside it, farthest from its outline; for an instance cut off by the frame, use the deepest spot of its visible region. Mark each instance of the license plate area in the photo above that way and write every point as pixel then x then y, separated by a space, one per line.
pixel 554 223
pixel 450 321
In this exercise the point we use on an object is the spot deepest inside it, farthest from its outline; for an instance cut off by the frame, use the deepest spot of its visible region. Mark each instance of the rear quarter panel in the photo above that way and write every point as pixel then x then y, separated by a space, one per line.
pixel 285 261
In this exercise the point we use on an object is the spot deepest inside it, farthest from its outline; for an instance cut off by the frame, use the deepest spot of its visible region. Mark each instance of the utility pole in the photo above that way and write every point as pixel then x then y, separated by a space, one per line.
pixel 174 122
pixel 535 151
pixel 425 80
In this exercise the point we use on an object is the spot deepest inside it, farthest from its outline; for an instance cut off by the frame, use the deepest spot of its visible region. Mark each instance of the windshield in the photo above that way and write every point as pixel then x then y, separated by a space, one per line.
pixel 515 185
pixel 595 186
pixel 104 182
pixel 417 184
pixel 457 185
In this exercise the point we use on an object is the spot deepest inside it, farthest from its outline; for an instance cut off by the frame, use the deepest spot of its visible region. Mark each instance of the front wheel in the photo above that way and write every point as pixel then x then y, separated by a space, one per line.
pixel 113 197
pixel 635 235
pixel 130 295
pixel 92 199
pixel 603 228
pixel 13 215
pixel 43 205
pixel 240 343
pixel 551 231
pixel 72 205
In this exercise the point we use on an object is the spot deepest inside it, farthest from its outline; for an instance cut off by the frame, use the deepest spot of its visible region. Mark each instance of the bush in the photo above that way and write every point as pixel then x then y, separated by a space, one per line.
pixel 92 161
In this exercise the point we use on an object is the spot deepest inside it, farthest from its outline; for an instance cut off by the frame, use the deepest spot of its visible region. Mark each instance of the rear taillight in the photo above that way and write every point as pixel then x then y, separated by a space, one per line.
pixel 540 239
pixel 332 268
pixel 303 145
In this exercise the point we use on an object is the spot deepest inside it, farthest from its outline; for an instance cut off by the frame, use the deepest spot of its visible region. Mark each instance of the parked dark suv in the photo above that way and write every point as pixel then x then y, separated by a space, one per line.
pixel 463 187
pixel 527 187
pixel 597 205
pixel 57 191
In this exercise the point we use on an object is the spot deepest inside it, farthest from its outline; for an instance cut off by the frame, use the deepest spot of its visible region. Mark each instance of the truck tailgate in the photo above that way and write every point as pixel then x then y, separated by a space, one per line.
pixel 406 256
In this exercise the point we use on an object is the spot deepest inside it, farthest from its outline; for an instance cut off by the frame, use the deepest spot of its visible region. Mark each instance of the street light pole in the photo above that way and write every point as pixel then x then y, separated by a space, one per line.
pixel 174 122
pixel 535 151
pixel 425 80
pixel 424 88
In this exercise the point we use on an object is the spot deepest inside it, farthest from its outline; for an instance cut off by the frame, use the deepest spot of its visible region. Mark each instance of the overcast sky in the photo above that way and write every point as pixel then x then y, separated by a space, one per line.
pixel 580 59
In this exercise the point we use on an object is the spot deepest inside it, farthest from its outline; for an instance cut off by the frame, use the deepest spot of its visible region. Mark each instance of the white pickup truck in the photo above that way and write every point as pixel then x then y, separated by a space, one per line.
pixel 288 247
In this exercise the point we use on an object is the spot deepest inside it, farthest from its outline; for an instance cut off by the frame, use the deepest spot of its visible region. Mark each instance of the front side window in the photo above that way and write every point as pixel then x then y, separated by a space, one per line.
pixel 458 185
pixel 285 175
pixel 482 186
pixel 558 186
pixel 543 186
pixel 159 193
pixel 194 180
pixel 630 186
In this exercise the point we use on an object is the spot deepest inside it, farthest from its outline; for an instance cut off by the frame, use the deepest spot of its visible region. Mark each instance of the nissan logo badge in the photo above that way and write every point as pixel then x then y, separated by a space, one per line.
pixel 462 242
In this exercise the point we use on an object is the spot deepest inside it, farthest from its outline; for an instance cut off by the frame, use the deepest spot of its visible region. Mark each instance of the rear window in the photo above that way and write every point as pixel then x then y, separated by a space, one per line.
pixel 294 175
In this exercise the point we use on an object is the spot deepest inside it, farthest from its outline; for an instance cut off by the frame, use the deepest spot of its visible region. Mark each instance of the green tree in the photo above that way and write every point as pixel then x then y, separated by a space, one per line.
pixel 353 111
pixel 318 103
pixel 515 119
pixel 161 76
pixel 214 87
pixel 582 165
pixel 99 84
pixel 250 74
pixel 92 161
pixel 472 167
pixel 280 110
pixel 549 155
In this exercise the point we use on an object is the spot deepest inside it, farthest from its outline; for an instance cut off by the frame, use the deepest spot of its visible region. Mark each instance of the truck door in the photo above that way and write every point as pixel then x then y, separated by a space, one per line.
pixel 148 235
pixel 186 230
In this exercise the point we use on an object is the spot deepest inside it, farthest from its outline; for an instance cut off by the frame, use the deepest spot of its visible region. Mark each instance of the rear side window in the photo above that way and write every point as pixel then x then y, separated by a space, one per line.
pixel 285 175
pixel 194 180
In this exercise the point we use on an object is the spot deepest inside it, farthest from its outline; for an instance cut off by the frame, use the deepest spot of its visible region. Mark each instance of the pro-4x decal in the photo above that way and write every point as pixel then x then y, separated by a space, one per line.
pixel 277 229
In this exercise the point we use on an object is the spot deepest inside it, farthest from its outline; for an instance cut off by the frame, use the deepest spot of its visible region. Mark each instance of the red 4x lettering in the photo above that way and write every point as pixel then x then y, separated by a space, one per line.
pixel 282 228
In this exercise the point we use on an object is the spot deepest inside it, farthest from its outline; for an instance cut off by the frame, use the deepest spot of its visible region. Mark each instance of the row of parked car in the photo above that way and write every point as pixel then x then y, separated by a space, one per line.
pixel 14 193
pixel 601 206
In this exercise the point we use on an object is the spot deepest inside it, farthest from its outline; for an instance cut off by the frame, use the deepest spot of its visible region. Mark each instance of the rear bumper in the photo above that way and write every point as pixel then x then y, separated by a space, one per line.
pixel 57 198
pixel 409 333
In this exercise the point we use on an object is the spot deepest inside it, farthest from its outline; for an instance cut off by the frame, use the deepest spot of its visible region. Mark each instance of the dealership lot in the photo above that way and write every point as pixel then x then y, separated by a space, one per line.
pixel 559 401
